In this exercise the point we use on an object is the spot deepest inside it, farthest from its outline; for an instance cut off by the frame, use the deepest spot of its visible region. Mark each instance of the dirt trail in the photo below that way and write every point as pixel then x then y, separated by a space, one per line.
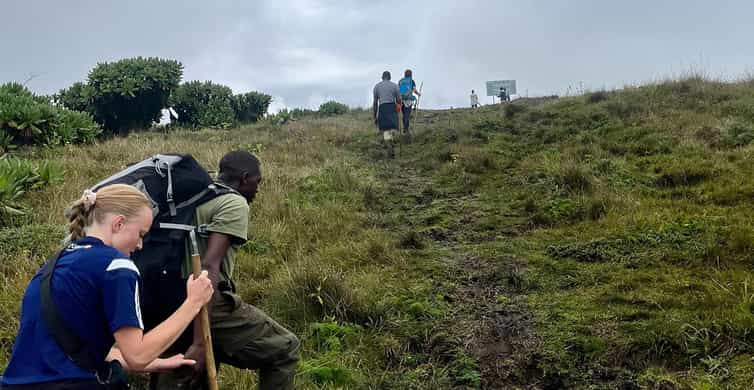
pixel 485 320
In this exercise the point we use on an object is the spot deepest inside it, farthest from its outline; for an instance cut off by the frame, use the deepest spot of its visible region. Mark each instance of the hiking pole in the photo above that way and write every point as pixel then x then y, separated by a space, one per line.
pixel 399 109
pixel 196 265
pixel 421 85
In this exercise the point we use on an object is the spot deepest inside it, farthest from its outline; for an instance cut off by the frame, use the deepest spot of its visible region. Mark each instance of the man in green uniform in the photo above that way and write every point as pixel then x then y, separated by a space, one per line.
pixel 242 335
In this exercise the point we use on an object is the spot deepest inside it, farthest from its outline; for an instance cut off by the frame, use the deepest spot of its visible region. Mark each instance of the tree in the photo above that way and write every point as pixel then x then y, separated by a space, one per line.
pixel 250 106
pixel 204 104
pixel 333 108
pixel 129 93
pixel 77 97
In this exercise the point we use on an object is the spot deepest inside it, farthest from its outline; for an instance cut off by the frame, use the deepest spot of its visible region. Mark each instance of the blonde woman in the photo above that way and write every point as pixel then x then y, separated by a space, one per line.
pixel 95 288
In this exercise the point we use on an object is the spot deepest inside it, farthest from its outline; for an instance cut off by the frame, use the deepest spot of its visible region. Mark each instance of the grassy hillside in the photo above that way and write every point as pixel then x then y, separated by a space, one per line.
pixel 598 241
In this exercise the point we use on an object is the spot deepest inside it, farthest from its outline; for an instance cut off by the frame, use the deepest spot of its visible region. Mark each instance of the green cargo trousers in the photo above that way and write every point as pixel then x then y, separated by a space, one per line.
pixel 244 337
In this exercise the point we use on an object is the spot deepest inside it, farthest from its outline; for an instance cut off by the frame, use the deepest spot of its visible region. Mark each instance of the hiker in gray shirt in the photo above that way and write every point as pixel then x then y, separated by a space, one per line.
pixel 386 96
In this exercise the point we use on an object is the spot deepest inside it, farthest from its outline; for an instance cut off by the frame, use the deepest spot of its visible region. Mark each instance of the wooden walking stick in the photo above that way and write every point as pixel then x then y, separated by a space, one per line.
pixel 416 108
pixel 196 265
pixel 399 115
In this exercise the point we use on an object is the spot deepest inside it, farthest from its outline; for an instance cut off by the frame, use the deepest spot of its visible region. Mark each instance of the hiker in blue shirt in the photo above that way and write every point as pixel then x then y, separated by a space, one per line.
pixel 407 87
pixel 95 288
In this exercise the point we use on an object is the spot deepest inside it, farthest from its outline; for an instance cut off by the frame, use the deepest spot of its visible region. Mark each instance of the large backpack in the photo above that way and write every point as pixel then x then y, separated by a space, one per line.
pixel 406 87
pixel 176 185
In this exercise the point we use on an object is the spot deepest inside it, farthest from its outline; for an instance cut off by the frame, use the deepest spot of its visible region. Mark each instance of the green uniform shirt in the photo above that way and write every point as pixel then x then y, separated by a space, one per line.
pixel 227 214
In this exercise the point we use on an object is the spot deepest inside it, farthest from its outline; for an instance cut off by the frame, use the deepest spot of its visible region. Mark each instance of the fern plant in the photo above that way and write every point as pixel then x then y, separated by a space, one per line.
pixel 18 176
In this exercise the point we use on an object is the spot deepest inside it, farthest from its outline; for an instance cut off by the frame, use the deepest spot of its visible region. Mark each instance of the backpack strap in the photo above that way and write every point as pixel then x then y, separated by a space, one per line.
pixel 212 191
pixel 67 339
pixel 222 188
pixel 216 189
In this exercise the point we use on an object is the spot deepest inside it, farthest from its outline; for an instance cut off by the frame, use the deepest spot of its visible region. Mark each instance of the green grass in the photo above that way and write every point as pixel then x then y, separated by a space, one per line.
pixel 590 242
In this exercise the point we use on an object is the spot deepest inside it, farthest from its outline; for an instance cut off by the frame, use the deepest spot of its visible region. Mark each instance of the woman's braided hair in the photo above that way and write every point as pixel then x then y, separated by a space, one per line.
pixel 115 198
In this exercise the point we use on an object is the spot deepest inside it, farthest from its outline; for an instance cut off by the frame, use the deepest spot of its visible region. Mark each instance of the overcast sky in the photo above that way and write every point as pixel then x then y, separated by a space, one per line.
pixel 304 52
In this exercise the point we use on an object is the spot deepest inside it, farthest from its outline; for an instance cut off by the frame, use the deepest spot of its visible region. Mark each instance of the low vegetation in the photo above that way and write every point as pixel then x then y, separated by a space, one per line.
pixel 26 118
pixel 596 241
pixel 127 95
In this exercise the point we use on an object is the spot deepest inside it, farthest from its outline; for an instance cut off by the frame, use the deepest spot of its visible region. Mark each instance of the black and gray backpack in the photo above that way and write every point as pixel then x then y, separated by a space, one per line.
pixel 176 185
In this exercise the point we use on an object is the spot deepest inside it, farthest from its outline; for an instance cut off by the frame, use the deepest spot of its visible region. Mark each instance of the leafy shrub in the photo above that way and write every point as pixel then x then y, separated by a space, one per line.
pixel 29 119
pixel 331 335
pixel 15 88
pixel 574 178
pixel 512 109
pixel 78 97
pixel 333 108
pixel 76 126
pixel 298 113
pixel 129 93
pixel 204 104
pixel 23 117
pixel 738 133
pixel 742 108
pixel 623 109
pixel 282 117
pixel 250 106
pixel 6 143
pixel 465 370
pixel 11 191
pixel 596 97
pixel 488 125
pixel 18 176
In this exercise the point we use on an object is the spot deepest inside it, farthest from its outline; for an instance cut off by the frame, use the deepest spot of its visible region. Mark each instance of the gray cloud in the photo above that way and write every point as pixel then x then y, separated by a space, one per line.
pixel 304 52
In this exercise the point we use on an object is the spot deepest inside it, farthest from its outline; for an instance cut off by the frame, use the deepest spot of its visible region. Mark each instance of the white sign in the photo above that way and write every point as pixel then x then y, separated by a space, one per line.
pixel 493 87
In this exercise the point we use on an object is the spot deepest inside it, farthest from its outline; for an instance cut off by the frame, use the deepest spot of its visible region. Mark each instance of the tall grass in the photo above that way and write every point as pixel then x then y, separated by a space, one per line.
pixel 606 239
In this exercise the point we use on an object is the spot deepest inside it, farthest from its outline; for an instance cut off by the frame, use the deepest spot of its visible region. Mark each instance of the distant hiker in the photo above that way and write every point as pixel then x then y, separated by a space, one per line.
pixel 384 108
pixel 86 299
pixel 407 87
pixel 242 335
pixel 474 99
pixel 167 115
pixel 503 95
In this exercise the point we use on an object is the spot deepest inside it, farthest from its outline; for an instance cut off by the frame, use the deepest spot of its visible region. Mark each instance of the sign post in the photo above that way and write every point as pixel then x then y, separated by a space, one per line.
pixel 493 88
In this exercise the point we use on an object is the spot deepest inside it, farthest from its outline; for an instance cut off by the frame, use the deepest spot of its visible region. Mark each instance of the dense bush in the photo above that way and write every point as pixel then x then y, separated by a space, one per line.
pixel 18 176
pixel 77 97
pixel 129 93
pixel 282 117
pixel 26 118
pixel 333 108
pixel 299 113
pixel 204 104
pixel 250 106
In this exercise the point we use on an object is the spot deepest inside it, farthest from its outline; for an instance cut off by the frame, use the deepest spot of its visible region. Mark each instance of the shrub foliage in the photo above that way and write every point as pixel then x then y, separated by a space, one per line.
pixel 26 118
pixel 332 108
pixel 204 104
pixel 18 176
pixel 251 106
pixel 77 97
pixel 129 93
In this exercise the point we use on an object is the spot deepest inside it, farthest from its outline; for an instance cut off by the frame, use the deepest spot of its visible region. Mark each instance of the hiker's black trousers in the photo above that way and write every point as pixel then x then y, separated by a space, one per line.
pixel 406 110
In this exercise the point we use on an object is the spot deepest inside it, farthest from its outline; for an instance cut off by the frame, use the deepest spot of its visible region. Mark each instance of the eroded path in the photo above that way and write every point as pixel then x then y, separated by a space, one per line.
pixel 479 281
